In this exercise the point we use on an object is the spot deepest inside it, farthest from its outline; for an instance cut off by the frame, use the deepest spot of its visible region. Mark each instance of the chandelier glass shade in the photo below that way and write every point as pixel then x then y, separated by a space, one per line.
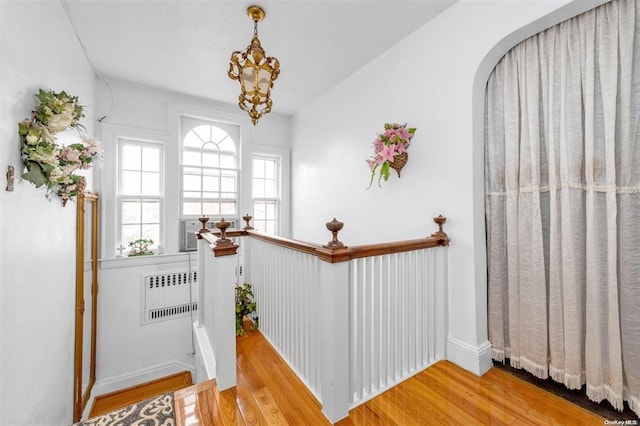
pixel 256 72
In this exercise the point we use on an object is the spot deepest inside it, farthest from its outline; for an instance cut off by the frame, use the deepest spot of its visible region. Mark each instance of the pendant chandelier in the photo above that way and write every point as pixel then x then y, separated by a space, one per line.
pixel 256 72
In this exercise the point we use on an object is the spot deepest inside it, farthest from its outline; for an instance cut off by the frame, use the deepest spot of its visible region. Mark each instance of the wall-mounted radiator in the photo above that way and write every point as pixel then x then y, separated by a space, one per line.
pixel 168 295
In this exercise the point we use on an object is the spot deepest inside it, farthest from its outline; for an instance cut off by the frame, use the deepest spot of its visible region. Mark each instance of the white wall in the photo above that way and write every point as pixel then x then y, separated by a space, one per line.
pixel 434 80
pixel 37 254
pixel 129 352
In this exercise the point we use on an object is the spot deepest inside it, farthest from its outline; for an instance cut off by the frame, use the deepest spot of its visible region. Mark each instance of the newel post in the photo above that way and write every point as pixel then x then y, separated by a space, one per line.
pixel 216 265
pixel 440 234
pixel 440 267
pixel 203 248
pixel 334 306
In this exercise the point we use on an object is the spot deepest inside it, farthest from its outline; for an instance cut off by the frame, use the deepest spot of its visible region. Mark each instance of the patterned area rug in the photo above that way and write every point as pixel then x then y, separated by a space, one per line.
pixel 156 411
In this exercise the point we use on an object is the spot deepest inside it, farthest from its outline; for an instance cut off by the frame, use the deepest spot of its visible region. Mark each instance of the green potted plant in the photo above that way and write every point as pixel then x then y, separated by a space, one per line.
pixel 140 247
pixel 245 306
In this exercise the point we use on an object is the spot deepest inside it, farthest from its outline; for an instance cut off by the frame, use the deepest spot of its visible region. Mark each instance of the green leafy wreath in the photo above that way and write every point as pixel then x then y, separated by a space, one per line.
pixel 49 164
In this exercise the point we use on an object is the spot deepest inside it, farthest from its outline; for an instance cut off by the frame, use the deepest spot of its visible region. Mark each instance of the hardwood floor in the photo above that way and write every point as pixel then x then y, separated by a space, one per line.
pixel 268 393
pixel 121 398
pixel 447 394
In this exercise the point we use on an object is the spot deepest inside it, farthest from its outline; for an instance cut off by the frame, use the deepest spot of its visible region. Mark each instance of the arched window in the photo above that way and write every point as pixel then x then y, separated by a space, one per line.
pixel 209 166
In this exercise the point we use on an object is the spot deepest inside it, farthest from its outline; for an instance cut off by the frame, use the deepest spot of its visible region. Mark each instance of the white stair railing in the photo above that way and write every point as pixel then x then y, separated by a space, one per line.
pixel 396 318
pixel 351 322
pixel 286 285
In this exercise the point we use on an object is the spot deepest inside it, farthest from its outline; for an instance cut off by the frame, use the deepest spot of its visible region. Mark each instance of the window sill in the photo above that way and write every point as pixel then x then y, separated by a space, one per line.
pixel 156 259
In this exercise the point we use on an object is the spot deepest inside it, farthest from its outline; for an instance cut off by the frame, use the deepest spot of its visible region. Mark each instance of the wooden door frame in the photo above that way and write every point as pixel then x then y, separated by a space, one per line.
pixel 81 396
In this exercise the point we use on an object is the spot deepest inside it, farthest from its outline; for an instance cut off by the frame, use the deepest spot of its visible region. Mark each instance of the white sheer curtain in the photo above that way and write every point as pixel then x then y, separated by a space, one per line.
pixel 563 204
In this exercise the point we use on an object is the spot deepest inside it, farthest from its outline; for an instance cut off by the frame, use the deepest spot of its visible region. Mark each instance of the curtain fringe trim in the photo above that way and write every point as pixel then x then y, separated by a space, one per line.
pixel 498 355
pixel 540 371
pixel 571 381
pixel 634 403
pixel 598 393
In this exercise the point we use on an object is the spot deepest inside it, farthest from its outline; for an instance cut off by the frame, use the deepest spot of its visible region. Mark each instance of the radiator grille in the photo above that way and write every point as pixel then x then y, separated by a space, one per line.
pixel 168 295
pixel 168 279
pixel 172 311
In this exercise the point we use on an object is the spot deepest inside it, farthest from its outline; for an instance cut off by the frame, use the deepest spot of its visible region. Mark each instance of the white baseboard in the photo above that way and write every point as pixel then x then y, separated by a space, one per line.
pixel 476 359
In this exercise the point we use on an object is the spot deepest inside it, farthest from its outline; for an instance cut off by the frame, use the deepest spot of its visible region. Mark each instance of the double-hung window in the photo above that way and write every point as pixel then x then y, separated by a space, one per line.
pixel 266 190
pixel 140 192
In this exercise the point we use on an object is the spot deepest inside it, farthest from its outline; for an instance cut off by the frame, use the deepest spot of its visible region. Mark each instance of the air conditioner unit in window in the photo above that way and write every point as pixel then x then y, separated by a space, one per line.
pixel 188 229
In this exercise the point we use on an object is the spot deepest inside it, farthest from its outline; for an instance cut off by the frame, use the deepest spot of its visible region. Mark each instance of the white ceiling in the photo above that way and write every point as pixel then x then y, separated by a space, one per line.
pixel 185 45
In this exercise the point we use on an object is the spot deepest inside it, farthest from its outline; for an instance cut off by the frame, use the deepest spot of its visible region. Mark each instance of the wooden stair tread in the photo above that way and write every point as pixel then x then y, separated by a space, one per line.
pixel 121 398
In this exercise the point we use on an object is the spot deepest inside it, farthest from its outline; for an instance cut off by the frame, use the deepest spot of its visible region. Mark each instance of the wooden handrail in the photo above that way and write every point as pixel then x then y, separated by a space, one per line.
pixel 394 247
pixel 335 251
pixel 302 246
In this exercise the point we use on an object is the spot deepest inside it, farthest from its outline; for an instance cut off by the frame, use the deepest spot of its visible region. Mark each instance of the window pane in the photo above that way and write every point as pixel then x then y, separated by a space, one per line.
pixel 228 184
pixel 258 188
pixel 131 157
pixel 130 183
pixel 271 210
pixel 227 161
pixel 218 134
pixel 150 159
pixel 212 208
pixel 270 169
pixel 228 208
pixel 130 212
pixel 150 212
pixel 192 194
pixel 210 183
pixel 191 140
pixel 191 158
pixel 203 132
pixel 270 189
pixel 191 208
pixel 150 183
pixel 210 159
pixel 270 227
pixel 191 183
pixel 210 196
pixel 130 233
pixel 258 168
pixel 259 210
pixel 151 232
pixel 227 145
pixel 211 172
pixel 210 147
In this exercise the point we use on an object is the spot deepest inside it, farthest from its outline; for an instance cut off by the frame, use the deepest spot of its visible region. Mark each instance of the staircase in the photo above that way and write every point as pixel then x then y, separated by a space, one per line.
pixel 124 397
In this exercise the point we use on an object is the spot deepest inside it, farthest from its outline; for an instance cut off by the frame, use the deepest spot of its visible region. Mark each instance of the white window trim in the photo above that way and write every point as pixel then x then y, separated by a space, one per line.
pixel 178 110
pixel 108 180
pixel 284 168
